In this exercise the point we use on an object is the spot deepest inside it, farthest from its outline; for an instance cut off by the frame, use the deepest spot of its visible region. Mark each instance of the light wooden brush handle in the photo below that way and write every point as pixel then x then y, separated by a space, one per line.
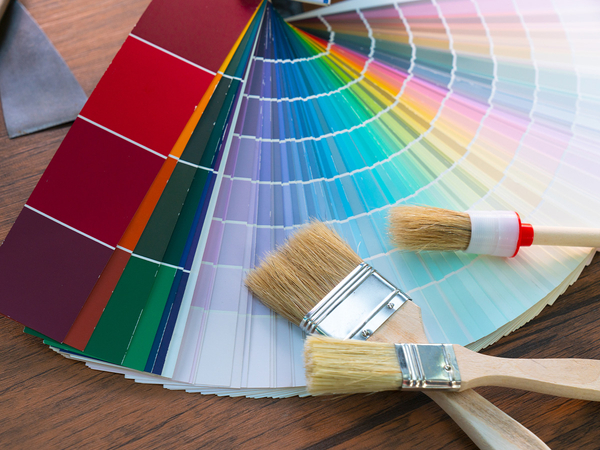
pixel 571 378
pixel 488 427
pixel 566 237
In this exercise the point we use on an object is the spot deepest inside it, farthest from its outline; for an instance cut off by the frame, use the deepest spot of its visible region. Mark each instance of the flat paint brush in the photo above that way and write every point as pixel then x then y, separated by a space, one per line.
pixel 496 233
pixel 335 366
pixel 317 281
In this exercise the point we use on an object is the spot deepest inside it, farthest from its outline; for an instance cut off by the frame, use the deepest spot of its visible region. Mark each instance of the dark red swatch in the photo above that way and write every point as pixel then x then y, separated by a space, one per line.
pixel 95 182
pixel 147 95
pixel 200 31
pixel 46 273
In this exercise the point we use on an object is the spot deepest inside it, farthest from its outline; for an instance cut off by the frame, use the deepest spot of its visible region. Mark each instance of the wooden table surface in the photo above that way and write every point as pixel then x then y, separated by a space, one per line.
pixel 47 401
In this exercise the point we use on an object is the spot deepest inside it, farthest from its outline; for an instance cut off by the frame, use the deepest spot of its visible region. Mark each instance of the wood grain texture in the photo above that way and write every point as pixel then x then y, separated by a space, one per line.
pixel 563 377
pixel 49 402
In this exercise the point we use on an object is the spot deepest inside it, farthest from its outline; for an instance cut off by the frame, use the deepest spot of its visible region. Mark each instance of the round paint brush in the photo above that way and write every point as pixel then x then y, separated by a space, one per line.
pixel 317 281
pixel 335 366
pixel 495 233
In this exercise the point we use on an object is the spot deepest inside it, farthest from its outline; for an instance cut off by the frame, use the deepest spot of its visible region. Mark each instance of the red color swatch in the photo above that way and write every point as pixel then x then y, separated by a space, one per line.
pixel 95 182
pixel 147 95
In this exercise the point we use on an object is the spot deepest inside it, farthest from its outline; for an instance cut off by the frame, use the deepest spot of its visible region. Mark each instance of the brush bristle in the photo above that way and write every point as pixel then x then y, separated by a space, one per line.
pixel 294 278
pixel 418 228
pixel 335 366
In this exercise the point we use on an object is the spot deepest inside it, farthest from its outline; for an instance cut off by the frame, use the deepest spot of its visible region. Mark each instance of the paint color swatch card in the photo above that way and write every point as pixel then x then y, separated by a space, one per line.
pixel 144 226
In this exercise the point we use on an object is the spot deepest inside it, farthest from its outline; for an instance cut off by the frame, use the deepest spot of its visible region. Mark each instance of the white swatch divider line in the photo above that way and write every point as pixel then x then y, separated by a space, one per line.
pixel 68 226
pixel 204 69
pixel 577 114
pixel 122 137
pixel 368 61
pixel 158 263
pixel 489 99
pixel 331 41
pixel 310 58
pixel 413 51
pixel 494 81
pixel 310 97
pixel 186 302
pixel 533 106
pixel 196 166
pixel 174 55
pixel 369 33
pixel 229 76
pixel 342 7
pixel 131 337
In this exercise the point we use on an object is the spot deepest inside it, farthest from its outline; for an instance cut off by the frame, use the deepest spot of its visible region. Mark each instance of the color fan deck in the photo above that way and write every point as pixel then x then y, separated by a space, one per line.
pixel 206 144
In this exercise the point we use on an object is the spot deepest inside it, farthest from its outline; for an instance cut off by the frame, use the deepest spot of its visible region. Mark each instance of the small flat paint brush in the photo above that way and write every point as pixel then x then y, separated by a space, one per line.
pixel 335 366
pixel 317 281
pixel 496 233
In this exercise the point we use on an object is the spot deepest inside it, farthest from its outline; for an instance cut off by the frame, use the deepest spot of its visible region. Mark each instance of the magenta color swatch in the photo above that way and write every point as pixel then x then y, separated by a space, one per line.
pixel 95 182
pixel 147 95
pixel 46 273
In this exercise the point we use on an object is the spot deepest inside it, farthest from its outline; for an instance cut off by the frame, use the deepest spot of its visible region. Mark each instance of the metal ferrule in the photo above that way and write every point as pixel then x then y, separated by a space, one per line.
pixel 356 307
pixel 428 366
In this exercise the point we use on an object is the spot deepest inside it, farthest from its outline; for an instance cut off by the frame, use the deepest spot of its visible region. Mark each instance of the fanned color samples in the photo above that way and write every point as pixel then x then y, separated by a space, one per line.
pixel 337 114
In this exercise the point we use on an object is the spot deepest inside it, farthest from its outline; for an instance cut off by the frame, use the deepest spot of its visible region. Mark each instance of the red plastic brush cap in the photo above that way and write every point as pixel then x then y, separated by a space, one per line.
pixel 525 235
